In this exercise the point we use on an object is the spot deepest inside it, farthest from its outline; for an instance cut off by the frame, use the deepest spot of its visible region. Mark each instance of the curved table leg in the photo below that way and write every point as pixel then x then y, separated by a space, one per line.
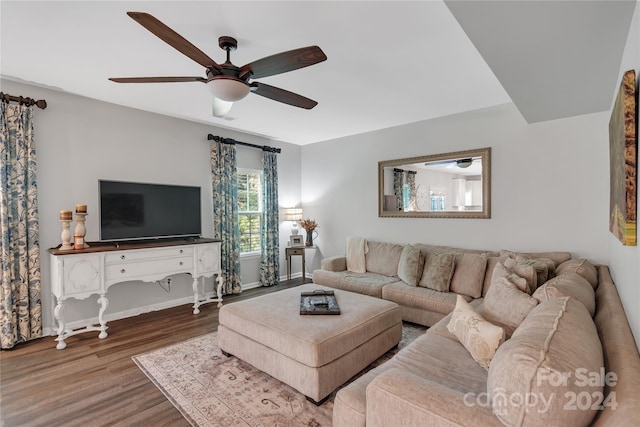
pixel 196 297
pixel 59 315
pixel 219 289
pixel 104 303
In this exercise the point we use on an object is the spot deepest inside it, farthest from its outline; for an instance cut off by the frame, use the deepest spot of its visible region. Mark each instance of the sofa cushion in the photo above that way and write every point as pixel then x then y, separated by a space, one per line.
pixel 443 361
pixel 544 366
pixel 620 356
pixel 492 261
pixel 468 275
pixel 545 268
pixel 383 258
pixel 525 271
pixel 438 271
pixel 479 337
pixel 431 357
pixel 582 267
pixel 421 298
pixel 411 265
pixel 557 257
pixel 568 285
pixel 506 304
pixel 334 263
pixel 502 271
pixel 362 283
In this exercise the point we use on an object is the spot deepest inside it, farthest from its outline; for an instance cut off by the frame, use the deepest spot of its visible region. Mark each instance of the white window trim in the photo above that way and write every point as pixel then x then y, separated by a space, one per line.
pixel 251 254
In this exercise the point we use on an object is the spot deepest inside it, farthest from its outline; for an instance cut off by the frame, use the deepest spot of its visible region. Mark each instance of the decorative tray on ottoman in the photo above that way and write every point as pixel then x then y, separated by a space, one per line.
pixel 319 302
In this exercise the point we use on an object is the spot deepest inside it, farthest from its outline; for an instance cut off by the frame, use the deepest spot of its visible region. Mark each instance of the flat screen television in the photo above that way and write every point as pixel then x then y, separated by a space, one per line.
pixel 138 211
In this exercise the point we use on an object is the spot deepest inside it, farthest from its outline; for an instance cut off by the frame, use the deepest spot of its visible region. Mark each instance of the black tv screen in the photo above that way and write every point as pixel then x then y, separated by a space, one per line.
pixel 135 211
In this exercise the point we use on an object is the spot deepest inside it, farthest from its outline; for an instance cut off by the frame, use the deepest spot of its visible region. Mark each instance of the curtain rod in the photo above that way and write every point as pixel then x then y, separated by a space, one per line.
pixel 41 103
pixel 246 144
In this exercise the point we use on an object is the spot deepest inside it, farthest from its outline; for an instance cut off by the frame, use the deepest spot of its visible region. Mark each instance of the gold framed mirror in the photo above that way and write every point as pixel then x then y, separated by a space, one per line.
pixel 447 185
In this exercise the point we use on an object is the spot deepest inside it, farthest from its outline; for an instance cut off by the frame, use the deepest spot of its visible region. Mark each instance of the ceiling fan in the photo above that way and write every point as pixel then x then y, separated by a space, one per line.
pixel 461 163
pixel 227 82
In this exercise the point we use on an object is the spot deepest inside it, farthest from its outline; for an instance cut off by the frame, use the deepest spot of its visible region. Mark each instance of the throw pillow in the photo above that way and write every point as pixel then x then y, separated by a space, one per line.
pixel 468 275
pixel 479 337
pixel 501 271
pixel 568 285
pixel 525 271
pixel 410 265
pixel 545 268
pixel 438 270
pixel 557 257
pixel 492 261
pixel 506 304
pixel 582 267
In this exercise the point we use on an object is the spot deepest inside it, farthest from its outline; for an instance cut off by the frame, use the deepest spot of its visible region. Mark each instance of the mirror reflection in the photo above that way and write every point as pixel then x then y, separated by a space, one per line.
pixel 448 185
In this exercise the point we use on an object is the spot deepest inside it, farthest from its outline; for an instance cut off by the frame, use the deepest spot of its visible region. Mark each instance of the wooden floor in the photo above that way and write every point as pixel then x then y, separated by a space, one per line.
pixel 94 382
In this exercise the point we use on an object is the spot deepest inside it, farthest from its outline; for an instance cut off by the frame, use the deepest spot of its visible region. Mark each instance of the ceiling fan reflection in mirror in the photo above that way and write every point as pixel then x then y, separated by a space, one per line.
pixel 227 82
pixel 461 163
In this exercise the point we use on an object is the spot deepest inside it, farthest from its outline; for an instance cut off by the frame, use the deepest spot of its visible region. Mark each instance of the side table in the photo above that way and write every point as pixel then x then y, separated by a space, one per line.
pixel 292 251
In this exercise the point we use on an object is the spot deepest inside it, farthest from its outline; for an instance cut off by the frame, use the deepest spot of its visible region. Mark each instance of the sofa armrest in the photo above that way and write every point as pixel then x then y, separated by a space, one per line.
pixel 334 263
pixel 398 397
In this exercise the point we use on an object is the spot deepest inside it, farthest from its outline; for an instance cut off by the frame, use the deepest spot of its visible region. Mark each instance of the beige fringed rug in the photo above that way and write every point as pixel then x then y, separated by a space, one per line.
pixel 210 389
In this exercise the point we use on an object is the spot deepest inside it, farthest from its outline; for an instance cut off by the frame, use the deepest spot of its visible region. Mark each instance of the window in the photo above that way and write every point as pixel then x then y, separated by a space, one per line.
pixel 250 210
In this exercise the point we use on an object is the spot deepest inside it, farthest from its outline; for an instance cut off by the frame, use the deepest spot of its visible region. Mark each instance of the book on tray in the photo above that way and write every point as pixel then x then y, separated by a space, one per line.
pixel 320 301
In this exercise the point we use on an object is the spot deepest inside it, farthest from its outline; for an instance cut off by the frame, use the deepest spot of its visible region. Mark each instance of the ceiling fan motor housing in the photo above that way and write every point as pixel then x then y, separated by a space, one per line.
pixel 227 43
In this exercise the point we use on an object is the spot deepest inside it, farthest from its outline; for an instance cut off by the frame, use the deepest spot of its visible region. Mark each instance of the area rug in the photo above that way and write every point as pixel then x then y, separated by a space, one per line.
pixel 210 389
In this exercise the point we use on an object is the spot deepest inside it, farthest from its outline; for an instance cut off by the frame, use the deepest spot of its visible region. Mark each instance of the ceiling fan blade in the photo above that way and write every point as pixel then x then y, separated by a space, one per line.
pixel 282 95
pixel 283 62
pixel 441 162
pixel 174 39
pixel 157 79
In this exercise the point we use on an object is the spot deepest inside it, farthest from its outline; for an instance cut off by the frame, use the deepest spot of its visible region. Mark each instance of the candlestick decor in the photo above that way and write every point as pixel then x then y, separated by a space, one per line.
pixel 81 229
pixel 66 235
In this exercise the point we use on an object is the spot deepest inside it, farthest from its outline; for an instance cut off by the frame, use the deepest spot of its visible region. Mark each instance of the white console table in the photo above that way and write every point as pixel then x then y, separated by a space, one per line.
pixel 81 273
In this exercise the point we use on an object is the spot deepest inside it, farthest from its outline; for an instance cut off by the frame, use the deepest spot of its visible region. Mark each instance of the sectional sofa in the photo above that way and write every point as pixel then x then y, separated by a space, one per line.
pixel 535 339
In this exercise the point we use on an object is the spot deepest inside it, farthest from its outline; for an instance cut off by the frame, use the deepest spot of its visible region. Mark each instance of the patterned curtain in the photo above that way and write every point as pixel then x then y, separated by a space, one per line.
pixel 269 238
pixel 411 182
pixel 398 182
pixel 20 290
pixel 224 179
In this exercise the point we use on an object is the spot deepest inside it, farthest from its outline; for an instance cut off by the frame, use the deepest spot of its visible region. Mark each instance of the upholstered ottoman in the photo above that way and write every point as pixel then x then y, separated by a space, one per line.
pixel 314 354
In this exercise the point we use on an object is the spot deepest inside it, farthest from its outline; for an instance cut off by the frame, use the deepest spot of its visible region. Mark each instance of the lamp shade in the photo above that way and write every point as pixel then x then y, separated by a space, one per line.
pixel 228 89
pixel 220 108
pixel 293 214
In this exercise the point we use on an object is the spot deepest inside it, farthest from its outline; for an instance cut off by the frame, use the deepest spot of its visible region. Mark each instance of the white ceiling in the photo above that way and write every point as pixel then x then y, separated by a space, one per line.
pixel 389 63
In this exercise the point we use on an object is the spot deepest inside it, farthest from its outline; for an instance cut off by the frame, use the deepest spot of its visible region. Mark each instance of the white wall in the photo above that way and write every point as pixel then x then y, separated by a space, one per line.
pixel 550 186
pixel 80 140
pixel 549 183
pixel 625 260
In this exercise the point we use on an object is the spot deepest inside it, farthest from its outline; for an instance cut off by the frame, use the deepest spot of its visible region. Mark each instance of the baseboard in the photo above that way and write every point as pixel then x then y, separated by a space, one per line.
pixel 125 313
pixel 247 286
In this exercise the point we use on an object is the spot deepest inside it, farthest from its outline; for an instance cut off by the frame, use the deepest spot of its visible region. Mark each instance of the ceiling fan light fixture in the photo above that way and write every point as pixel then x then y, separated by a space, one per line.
pixel 220 108
pixel 464 163
pixel 228 89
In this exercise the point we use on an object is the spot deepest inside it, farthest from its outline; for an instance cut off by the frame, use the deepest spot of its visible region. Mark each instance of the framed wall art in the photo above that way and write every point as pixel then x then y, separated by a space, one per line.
pixel 296 240
pixel 623 156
